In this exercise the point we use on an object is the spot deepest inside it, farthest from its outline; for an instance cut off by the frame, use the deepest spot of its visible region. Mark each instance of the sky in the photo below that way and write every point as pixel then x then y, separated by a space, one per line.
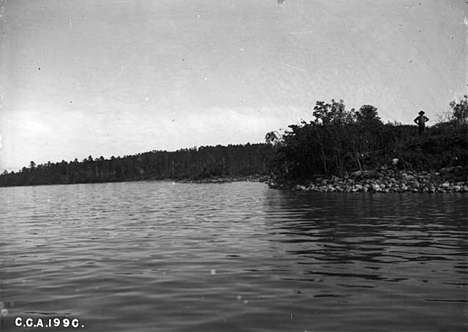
pixel 121 77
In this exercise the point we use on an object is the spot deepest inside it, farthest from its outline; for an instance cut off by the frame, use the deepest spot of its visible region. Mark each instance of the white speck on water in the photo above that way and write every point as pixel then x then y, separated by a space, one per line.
pixel 4 312
pixel 239 297
pixel 246 301
pixel 213 272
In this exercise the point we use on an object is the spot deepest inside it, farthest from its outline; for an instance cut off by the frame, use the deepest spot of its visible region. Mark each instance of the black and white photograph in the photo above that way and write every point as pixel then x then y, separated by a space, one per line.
pixel 234 165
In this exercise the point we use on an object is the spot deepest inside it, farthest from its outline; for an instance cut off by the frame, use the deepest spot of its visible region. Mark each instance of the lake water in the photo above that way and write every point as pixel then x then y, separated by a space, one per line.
pixel 162 256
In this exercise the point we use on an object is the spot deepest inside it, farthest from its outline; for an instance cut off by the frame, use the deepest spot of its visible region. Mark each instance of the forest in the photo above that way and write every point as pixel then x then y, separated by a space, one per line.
pixel 185 164
pixel 338 142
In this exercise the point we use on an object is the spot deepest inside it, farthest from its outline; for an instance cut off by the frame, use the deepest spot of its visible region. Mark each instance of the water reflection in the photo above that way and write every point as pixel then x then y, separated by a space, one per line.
pixel 389 238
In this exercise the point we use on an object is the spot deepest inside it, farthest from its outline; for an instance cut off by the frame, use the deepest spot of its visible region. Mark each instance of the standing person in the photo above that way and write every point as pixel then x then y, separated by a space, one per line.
pixel 421 122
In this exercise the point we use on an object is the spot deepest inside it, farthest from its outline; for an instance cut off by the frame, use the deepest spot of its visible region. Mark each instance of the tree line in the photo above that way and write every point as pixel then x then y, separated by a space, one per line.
pixel 336 142
pixel 184 164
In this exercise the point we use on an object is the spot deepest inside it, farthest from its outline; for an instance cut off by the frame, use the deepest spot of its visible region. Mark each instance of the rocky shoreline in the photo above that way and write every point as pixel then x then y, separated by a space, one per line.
pixel 446 180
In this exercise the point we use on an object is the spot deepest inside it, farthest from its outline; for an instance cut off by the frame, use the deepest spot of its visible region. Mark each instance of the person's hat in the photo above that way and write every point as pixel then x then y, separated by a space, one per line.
pixel 421 113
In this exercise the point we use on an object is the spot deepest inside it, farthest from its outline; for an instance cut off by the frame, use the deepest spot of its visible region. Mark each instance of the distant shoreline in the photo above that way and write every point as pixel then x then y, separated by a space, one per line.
pixel 447 180
pixel 225 179
pixel 217 179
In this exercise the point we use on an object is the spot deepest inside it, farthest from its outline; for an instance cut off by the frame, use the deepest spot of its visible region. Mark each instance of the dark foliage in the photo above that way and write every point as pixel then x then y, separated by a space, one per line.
pixel 184 164
pixel 338 142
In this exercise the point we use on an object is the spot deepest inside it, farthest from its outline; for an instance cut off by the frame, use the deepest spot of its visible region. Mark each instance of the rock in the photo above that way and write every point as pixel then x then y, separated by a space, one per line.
pixel 446 170
pixel 373 181
pixel 335 179
pixel 356 174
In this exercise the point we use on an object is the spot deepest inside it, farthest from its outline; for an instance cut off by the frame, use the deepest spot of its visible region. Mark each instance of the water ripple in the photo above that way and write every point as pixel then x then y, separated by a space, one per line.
pixel 159 256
